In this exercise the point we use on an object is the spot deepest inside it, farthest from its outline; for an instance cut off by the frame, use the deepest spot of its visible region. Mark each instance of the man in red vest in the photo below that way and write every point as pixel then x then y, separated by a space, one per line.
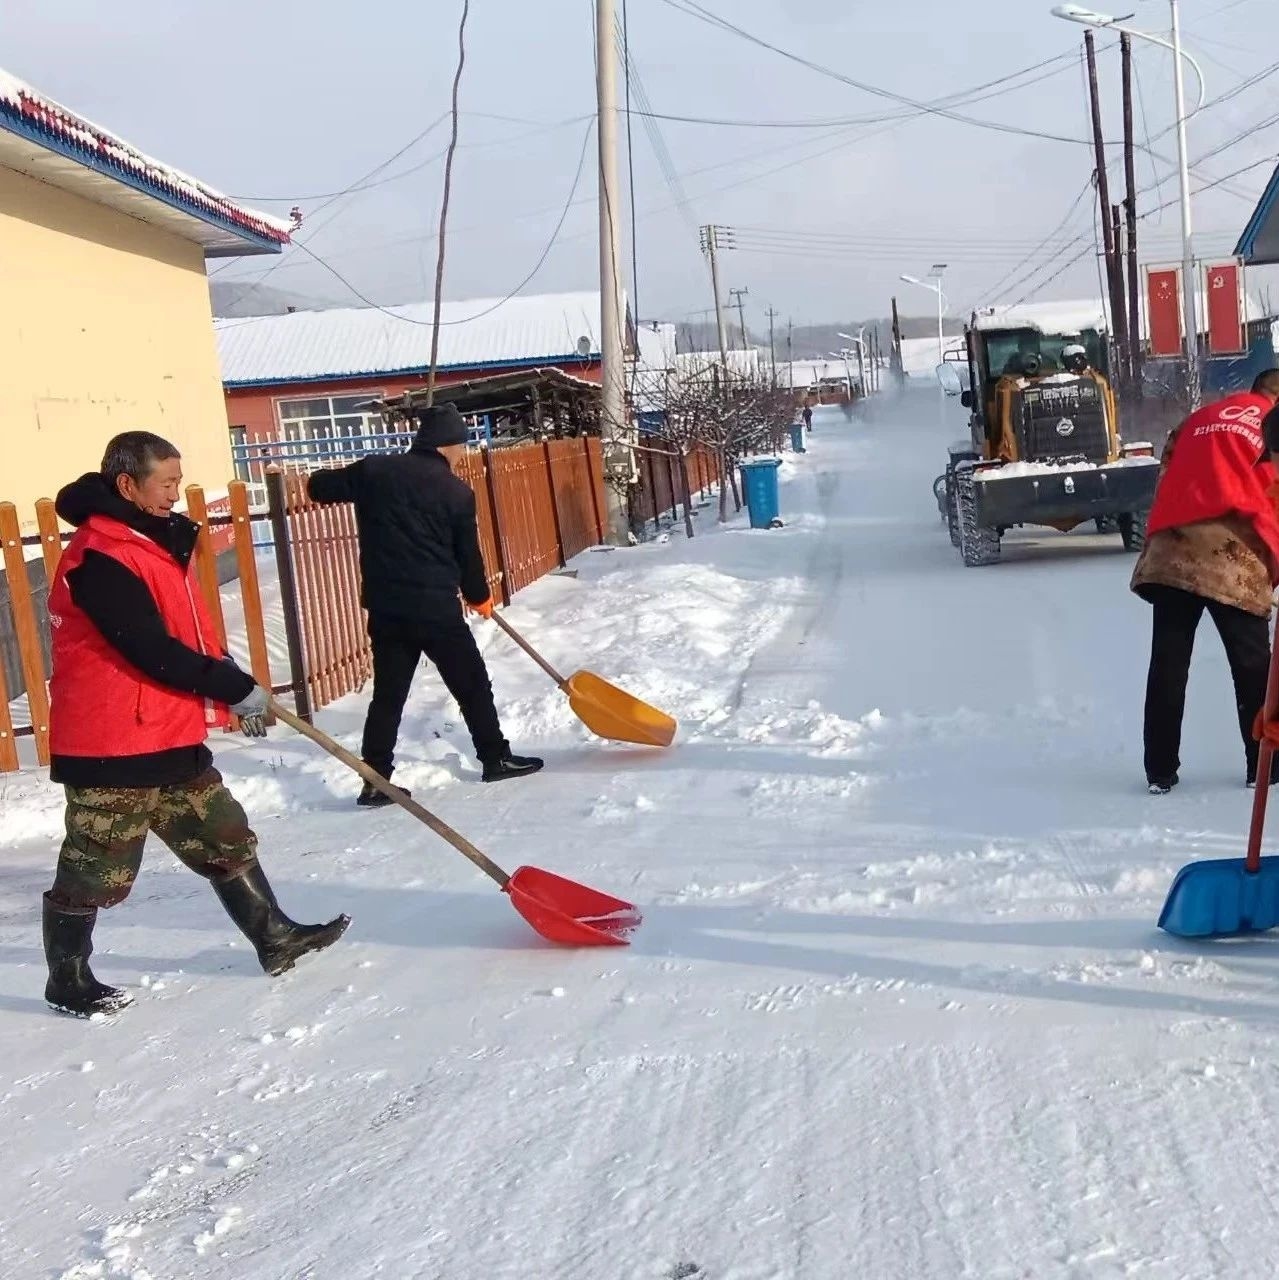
pixel 1212 544
pixel 138 680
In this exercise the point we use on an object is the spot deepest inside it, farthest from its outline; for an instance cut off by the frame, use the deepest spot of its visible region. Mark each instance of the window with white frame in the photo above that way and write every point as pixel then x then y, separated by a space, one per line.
pixel 336 424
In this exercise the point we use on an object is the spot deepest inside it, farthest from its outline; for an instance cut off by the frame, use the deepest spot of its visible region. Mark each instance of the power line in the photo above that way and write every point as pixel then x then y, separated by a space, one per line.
pixel 691 8
pixel 362 185
pixel 519 288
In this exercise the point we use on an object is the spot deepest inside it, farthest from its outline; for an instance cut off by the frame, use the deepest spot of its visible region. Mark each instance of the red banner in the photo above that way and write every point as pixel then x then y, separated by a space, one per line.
pixel 1163 311
pixel 1223 284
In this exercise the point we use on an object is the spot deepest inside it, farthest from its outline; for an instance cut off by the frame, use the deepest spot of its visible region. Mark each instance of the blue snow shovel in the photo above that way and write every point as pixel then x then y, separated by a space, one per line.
pixel 1227 897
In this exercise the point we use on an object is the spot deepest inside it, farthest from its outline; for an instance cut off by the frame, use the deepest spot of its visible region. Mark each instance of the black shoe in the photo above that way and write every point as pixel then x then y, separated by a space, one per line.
pixel 72 988
pixel 509 766
pixel 280 942
pixel 1161 786
pixel 372 798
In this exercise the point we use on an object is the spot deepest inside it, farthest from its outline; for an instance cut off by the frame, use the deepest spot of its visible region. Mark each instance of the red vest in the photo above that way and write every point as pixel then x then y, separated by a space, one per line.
pixel 100 705
pixel 1214 470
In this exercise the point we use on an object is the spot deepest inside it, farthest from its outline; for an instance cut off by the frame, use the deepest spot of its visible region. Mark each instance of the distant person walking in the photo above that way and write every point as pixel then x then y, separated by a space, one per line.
pixel 420 546
pixel 1212 545
pixel 808 417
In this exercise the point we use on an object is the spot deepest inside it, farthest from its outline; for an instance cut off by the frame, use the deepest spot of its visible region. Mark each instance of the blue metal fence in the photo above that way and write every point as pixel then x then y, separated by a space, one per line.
pixel 252 458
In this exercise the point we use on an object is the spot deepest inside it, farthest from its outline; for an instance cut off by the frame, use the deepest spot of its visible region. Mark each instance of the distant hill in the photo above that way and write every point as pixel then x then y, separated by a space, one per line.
pixel 244 298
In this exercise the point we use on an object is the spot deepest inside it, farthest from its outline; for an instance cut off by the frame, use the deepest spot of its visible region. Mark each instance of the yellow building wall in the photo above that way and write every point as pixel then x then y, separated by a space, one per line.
pixel 105 326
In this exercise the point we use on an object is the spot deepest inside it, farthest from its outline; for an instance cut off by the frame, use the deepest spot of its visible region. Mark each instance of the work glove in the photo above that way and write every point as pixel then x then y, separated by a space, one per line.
pixel 485 609
pixel 251 711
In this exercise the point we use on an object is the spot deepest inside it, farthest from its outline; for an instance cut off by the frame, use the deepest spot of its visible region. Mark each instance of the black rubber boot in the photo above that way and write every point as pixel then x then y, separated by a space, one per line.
pixel 72 988
pixel 508 766
pixel 372 798
pixel 280 942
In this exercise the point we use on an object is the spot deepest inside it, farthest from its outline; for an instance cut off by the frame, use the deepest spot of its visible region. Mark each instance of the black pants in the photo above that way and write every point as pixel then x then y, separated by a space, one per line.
pixel 1246 638
pixel 446 641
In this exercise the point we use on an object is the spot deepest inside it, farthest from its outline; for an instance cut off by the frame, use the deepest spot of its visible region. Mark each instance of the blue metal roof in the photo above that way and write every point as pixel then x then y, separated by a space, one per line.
pixel 1259 244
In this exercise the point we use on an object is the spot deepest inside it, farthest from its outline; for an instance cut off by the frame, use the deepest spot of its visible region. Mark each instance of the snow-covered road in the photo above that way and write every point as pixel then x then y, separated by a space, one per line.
pixel 898 1008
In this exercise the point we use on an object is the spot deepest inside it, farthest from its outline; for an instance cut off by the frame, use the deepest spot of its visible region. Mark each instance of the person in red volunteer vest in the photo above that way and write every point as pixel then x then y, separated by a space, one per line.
pixel 1212 543
pixel 138 681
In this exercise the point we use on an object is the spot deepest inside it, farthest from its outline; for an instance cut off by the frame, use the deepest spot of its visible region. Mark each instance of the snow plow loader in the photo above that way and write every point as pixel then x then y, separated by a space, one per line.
pixel 1044 445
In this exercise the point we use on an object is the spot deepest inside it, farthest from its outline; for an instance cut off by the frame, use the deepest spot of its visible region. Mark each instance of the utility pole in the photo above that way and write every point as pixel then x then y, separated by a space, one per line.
pixel 772 348
pixel 898 370
pixel 1136 359
pixel 1189 284
pixel 737 295
pixel 1118 319
pixel 709 246
pixel 1121 296
pixel 790 354
pixel 618 456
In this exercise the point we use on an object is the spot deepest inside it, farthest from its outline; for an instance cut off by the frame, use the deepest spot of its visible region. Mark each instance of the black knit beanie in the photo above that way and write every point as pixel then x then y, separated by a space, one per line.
pixel 439 426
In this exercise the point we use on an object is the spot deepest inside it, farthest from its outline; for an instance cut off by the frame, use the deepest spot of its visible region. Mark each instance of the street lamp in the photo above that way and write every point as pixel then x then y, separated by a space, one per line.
pixel 1189 286
pixel 936 276
pixel 861 355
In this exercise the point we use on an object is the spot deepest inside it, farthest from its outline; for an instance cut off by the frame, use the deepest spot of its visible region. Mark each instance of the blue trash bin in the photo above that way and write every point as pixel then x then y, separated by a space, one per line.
pixel 759 488
pixel 797 437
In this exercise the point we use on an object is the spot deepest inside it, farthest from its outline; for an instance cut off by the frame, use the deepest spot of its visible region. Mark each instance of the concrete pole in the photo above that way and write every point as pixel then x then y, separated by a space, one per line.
pixel 613 424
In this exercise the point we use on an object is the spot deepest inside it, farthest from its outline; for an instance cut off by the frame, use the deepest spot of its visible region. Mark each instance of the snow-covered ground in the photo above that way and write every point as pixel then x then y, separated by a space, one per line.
pixel 898 1008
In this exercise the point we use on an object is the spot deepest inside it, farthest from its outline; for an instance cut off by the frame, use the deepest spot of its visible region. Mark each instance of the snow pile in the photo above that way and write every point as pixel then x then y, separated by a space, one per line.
pixel 1019 470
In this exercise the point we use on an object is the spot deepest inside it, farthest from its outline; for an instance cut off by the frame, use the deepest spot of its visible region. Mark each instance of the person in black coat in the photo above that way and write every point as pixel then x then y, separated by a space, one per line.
pixel 420 547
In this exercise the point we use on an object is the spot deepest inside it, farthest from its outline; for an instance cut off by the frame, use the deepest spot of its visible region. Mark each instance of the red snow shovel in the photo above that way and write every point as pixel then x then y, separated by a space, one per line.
pixel 559 910
pixel 1228 897
pixel 606 710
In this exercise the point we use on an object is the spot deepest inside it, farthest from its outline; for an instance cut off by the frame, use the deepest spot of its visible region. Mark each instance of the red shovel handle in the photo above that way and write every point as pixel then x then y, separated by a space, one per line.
pixel 1267 724
pixel 375 779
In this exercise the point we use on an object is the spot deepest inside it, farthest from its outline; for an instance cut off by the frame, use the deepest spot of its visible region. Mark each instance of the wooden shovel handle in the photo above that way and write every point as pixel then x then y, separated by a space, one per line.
pixel 375 779
pixel 528 648
pixel 1265 753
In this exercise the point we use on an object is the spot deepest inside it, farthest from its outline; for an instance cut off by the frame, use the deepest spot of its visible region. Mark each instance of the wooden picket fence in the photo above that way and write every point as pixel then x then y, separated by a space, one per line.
pixel 661 487
pixel 538 505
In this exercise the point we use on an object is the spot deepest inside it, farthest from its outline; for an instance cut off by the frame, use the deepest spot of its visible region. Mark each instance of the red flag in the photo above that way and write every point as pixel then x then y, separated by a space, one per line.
pixel 1224 291
pixel 1163 311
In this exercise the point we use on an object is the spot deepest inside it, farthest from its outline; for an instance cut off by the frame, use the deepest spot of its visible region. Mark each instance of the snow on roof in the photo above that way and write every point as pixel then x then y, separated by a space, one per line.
pixel 741 363
pixel 370 341
pixel 48 141
pixel 656 342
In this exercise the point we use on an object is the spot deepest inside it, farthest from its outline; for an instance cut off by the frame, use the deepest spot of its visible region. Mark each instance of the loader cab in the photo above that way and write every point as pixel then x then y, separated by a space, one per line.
pixel 1017 353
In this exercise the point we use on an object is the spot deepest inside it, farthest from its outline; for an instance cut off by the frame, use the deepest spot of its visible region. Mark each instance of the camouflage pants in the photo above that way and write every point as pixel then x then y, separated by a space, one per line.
pixel 201 821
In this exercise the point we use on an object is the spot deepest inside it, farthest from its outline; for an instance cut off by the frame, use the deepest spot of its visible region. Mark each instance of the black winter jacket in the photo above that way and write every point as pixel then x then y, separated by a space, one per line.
pixel 122 607
pixel 419 543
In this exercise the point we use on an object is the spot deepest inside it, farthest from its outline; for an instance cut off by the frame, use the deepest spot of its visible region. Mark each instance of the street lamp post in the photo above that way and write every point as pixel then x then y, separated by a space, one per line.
pixel 862 354
pixel 1189 285
pixel 935 275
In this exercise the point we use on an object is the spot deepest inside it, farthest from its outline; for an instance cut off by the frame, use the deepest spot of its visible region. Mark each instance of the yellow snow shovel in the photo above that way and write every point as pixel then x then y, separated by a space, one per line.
pixel 606 710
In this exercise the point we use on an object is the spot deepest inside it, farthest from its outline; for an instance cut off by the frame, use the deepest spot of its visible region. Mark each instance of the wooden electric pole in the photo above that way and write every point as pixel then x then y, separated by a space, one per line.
pixel 898 369
pixel 737 295
pixel 1118 317
pixel 1136 360
pixel 710 244
pixel 772 347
